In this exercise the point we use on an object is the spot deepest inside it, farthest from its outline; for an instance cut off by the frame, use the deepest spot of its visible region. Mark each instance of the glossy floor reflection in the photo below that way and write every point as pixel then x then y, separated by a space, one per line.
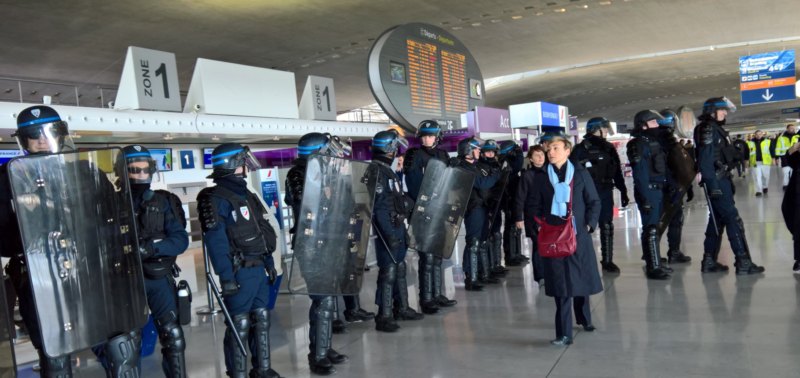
pixel 693 325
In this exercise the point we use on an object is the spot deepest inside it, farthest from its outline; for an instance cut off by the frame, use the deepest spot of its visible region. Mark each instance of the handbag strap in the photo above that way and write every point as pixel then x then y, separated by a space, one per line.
pixel 569 206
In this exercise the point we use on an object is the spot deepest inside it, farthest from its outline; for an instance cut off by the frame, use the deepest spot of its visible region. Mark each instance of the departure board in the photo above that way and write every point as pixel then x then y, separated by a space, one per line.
pixel 419 72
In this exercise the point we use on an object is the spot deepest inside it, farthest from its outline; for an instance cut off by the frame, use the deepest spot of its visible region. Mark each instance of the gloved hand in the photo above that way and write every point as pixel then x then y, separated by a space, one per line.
pixel 590 229
pixel 269 266
pixel 715 193
pixel 625 200
pixel 646 208
pixel 229 288
pixel 146 249
pixel 689 195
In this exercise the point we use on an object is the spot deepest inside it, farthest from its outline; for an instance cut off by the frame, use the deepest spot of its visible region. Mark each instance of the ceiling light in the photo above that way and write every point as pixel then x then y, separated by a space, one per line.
pixel 457 28
pixel 476 24
pixel 304 65
pixel 320 60
pixel 585 6
pixel 215 138
pixel 276 138
pixel 711 48
pixel 336 56
pixel 605 2
pixel 75 135
pixel 539 13
pixel 496 21
pixel 517 17
pixel 168 137
pixel 560 10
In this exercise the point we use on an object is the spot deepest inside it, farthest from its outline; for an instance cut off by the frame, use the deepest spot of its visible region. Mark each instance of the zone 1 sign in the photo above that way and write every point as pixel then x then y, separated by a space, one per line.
pixel 318 101
pixel 149 81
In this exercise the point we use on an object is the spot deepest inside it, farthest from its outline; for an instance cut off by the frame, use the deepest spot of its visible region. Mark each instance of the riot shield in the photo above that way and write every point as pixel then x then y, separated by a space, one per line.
pixel 682 168
pixel 333 228
pixel 439 210
pixel 79 236
pixel 496 200
pixel 7 361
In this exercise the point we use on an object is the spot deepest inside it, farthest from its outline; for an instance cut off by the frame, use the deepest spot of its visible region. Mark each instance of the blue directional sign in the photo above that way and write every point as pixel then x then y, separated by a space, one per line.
pixel 187 160
pixel 767 77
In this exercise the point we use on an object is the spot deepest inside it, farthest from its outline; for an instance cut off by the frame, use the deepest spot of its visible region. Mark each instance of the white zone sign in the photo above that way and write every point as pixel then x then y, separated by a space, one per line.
pixel 149 81
pixel 318 101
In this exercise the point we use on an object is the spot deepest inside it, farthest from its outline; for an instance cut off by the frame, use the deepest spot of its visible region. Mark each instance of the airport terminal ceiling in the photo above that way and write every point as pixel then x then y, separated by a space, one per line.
pixel 606 57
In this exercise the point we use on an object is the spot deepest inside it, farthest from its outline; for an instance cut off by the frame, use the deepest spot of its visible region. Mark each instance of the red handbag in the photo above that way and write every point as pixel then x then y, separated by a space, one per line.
pixel 557 241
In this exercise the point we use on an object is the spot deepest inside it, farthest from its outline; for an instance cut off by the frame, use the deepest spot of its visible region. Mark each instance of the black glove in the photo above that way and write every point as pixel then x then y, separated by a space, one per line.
pixel 146 249
pixel 269 266
pixel 590 229
pixel 689 195
pixel 625 200
pixel 715 193
pixel 229 288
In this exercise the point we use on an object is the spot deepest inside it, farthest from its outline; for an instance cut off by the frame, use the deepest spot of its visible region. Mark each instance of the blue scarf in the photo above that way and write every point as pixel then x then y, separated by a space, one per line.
pixel 562 190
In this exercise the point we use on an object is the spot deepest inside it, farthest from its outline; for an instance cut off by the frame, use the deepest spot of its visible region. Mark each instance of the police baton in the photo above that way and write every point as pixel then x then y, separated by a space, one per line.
pixel 228 319
pixel 710 209
pixel 210 310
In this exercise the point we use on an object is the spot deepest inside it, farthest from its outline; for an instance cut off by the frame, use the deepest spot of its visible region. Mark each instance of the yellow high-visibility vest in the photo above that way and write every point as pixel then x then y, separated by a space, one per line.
pixel 766 157
pixel 784 143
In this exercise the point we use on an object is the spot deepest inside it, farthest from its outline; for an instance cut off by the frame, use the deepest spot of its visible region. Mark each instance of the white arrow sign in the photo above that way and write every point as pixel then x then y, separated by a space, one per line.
pixel 767 96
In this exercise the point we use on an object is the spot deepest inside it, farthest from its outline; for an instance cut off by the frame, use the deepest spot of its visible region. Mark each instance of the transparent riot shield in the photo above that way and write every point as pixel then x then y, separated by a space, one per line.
pixel 682 168
pixel 495 200
pixel 333 228
pixel 79 236
pixel 439 210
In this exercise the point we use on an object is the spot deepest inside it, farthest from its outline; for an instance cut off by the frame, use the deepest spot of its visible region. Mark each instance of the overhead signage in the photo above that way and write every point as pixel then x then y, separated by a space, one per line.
pixel 187 159
pixel 491 120
pixel 790 110
pixel 767 77
pixel 318 101
pixel 537 114
pixel 149 81
pixel 419 72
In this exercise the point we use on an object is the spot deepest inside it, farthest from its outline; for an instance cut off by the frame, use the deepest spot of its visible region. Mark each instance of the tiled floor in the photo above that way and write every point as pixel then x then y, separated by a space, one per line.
pixel 693 325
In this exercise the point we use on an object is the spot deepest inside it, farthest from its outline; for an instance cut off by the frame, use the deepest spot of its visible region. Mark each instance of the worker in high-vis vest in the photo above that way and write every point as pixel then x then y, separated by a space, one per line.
pixel 787 139
pixel 760 161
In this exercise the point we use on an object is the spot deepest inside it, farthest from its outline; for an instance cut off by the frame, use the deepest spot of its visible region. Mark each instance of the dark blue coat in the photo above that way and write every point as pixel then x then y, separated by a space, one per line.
pixel 576 275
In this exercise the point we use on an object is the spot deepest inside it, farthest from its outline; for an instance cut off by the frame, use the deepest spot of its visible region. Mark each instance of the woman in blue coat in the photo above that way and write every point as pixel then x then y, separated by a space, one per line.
pixel 570 280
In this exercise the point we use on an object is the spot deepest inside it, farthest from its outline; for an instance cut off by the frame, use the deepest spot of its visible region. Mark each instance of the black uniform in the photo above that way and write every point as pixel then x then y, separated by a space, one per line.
pixel 600 158
pixel 430 265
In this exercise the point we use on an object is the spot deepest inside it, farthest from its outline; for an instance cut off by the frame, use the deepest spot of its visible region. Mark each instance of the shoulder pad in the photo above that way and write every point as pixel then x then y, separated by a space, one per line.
pixel 207 210
pixel 705 135
pixel 408 160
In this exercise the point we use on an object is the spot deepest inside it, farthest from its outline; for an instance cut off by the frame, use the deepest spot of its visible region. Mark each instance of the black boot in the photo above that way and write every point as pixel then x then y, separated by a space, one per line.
pixel 471 251
pixel 123 352
pixel 384 322
pixel 440 299
pixel 235 360
pixel 651 248
pixel 484 274
pixel 497 268
pixel 402 311
pixel 744 265
pixel 607 247
pixel 55 367
pixel 173 345
pixel 709 263
pixel 426 302
pixel 676 256
pixel 318 358
pixel 262 368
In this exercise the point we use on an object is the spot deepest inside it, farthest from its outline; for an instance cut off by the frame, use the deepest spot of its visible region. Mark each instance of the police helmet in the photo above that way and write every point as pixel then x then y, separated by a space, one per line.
pixel 670 120
pixel 550 132
pixel 37 122
pixel 597 123
pixel 713 104
pixel 429 128
pixel 508 148
pixel 641 118
pixel 489 146
pixel 134 154
pixel 387 142
pixel 466 145
pixel 322 144
pixel 227 157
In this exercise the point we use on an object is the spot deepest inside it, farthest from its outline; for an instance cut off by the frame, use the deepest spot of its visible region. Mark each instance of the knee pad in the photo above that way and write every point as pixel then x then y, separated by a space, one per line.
pixel 259 316
pixel 123 355
pixel 170 334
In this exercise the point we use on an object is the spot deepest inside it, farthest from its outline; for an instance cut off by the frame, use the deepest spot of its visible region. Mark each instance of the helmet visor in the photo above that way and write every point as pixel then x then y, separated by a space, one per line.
pixel 250 160
pixel 337 147
pixel 50 137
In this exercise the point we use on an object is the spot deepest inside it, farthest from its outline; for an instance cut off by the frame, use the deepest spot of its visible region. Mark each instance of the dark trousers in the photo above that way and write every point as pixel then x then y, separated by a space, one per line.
pixel 606 195
pixel 564 308
pixel 726 216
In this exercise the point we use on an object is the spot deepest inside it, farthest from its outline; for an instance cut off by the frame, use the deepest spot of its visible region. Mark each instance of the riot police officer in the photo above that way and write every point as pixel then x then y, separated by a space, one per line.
pixel 681 173
pixel 716 156
pixel 430 264
pixel 391 207
pixel 649 162
pixel 510 154
pixel 41 131
pixel 491 239
pixel 601 159
pixel 240 242
pixel 162 237
pixel 321 356
pixel 475 217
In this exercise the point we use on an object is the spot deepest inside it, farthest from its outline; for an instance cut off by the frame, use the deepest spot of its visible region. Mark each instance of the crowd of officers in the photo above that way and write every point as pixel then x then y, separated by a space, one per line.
pixel 240 240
